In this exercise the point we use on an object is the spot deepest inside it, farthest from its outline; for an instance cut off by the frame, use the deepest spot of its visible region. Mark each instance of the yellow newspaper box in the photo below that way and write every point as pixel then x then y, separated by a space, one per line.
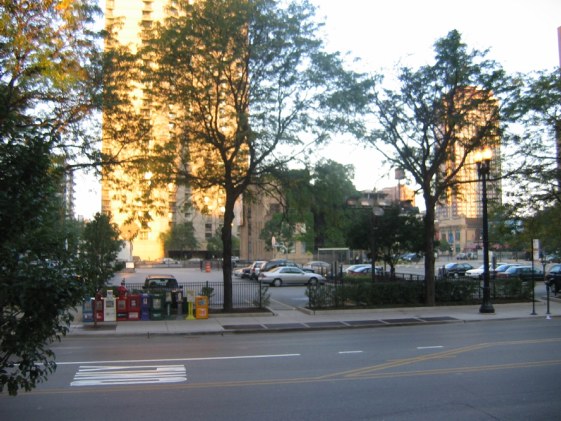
pixel 201 307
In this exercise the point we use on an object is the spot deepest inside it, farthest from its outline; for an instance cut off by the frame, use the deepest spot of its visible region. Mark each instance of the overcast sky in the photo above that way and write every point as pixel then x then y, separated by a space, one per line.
pixel 521 35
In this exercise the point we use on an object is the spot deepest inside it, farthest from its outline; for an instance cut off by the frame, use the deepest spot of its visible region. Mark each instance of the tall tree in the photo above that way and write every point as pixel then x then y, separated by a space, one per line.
pixel 538 142
pixel 180 238
pixel 240 79
pixel 386 235
pixel 331 186
pixel 98 251
pixel 48 55
pixel 438 116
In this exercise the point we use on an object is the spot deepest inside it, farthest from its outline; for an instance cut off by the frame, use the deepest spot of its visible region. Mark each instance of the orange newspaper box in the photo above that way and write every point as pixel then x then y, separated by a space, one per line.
pixel 201 307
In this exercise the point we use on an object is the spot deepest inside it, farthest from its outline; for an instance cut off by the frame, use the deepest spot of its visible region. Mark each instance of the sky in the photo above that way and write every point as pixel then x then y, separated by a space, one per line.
pixel 520 34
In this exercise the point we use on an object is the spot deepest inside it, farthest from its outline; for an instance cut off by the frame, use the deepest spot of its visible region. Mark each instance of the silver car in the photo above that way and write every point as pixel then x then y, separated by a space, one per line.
pixel 289 275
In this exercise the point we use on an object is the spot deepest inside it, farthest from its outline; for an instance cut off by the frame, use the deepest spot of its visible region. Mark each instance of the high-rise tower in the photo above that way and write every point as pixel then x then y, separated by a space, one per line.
pixel 142 223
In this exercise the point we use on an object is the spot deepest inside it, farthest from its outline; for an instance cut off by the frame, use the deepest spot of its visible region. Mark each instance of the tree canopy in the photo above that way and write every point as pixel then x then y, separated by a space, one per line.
pixel 238 80
pixel 48 59
pixel 439 114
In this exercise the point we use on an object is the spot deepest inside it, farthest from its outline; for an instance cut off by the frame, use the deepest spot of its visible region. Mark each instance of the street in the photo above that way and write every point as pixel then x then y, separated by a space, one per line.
pixel 486 370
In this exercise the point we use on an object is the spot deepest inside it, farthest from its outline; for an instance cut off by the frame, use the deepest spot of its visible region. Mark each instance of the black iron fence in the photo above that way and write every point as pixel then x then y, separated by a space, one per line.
pixel 245 295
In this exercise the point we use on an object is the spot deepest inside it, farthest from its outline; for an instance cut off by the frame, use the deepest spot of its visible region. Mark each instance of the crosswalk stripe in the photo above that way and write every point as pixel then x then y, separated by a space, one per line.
pixel 115 375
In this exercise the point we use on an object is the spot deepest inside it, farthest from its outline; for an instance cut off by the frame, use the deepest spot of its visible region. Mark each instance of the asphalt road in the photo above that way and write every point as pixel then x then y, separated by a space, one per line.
pixel 494 370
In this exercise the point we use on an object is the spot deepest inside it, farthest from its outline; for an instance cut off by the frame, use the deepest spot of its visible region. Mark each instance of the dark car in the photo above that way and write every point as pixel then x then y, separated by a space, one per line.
pixel 454 270
pixel 525 273
pixel 553 278
pixel 163 284
pixel 410 257
pixel 157 283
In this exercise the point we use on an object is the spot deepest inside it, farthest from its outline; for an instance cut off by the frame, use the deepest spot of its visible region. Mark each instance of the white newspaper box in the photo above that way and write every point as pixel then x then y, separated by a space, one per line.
pixel 109 310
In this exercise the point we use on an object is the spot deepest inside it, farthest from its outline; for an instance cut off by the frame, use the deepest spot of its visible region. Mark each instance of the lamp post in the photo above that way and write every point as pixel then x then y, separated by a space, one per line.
pixel 483 161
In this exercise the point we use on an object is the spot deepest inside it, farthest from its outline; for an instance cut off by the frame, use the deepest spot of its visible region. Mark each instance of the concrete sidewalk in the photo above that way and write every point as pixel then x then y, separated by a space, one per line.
pixel 303 319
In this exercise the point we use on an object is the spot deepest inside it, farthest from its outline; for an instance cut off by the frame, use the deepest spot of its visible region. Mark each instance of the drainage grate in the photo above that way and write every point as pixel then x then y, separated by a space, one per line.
pixel 243 327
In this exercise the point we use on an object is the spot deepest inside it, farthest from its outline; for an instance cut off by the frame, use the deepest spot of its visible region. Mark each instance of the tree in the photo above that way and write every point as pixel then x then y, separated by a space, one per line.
pixel 48 58
pixel 386 235
pixel 440 114
pixel 240 79
pixel 538 143
pixel 330 187
pixel 37 286
pixel 99 249
pixel 180 238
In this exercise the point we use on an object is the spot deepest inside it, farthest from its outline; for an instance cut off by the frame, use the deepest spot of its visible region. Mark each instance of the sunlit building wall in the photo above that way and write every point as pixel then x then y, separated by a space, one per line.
pixel 177 204
pixel 459 215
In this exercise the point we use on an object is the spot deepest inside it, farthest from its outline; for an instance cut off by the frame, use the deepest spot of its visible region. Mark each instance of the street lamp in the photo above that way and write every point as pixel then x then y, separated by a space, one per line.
pixel 483 160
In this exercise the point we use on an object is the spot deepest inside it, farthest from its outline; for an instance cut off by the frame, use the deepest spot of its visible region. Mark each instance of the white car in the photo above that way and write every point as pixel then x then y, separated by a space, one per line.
pixel 289 275
pixel 477 273
pixel 169 261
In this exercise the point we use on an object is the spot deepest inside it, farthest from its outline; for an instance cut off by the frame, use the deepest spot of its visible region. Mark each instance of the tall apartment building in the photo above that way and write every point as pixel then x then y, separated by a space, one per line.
pixel 459 216
pixel 180 204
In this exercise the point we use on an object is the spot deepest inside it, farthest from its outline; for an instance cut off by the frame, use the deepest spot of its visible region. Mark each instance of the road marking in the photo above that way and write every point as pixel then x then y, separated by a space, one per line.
pixel 350 352
pixel 167 360
pixel 430 347
pixel 121 375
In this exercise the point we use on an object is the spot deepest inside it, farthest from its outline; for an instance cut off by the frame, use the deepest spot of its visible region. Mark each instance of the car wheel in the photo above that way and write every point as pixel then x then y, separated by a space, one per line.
pixel 277 283
pixel 313 281
pixel 456 275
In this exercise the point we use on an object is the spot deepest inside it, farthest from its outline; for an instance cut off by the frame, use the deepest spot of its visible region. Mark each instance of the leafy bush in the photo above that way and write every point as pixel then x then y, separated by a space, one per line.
pixel 362 292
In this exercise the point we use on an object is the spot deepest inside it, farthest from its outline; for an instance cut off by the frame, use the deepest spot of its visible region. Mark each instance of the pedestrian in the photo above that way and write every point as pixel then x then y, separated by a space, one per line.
pixel 122 290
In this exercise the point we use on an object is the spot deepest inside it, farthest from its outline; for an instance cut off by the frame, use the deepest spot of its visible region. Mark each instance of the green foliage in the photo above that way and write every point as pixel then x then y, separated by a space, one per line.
pixel 387 235
pixel 331 185
pixel 37 284
pixel 423 125
pixel 48 62
pixel 532 165
pixel 263 298
pixel 99 249
pixel 362 292
pixel 181 237
pixel 214 66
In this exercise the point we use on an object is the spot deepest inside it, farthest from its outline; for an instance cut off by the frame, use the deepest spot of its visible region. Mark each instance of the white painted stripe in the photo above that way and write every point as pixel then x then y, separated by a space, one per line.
pixel 160 360
pixel 430 347
pixel 350 352
pixel 118 375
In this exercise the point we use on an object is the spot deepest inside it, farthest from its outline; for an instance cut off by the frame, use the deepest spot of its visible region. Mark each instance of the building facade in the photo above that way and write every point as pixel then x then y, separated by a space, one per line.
pixel 459 215
pixel 144 222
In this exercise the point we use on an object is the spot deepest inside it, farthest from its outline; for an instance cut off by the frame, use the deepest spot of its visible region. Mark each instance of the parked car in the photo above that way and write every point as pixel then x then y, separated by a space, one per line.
pixel 242 272
pixel 525 273
pixel 477 273
pixel 410 257
pixel 352 268
pixel 454 270
pixel 504 267
pixel 364 270
pixel 271 264
pixel 156 283
pixel 255 268
pixel 289 275
pixel 553 278
pixel 169 261
pixel 317 266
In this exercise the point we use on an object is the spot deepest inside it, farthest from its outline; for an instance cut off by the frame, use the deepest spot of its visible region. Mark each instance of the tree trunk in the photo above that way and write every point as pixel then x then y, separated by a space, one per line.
pixel 429 254
pixel 227 251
